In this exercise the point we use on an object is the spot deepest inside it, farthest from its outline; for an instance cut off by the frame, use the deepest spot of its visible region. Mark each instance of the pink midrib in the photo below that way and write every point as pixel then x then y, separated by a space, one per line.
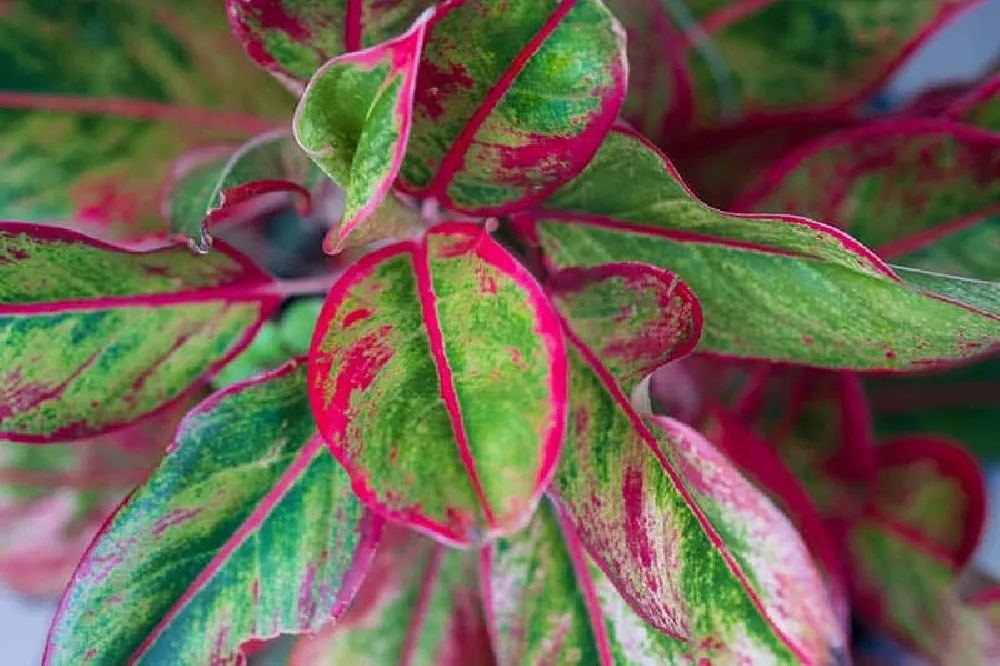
pixel 419 616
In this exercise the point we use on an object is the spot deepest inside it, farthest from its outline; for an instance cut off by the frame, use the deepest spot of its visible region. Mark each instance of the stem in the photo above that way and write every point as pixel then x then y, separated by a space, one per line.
pixel 317 284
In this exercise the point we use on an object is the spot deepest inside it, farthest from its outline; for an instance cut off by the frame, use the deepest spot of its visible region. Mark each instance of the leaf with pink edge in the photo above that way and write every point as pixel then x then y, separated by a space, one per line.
pixel 246 487
pixel 923 193
pixel 778 288
pixel 96 336
pixel 513 99
pixel 101 97
pixel 294 38
pixel 693 547
pixel 419 605
pixel 438 377
pixel 980 107
pixel 226 186
pixel 354 121
pixel 636 317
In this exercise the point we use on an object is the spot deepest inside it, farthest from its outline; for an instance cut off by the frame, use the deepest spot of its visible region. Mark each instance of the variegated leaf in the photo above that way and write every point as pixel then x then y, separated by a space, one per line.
pixel 101 97
pixel 418 606
pixel 354 121
pixel 95 336
pixel 247 529
pixel 980 107
pixel 779 288
pixel 513 99
pixel 438 377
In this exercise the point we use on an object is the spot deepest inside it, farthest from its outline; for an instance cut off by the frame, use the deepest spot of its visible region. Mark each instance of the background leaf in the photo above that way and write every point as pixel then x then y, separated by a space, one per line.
pixel 981 107
pixel 438 377
pixel 96 336
pixel 247 529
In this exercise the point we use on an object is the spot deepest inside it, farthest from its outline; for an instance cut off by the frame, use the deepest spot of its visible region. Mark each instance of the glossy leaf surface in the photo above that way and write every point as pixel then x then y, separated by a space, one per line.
pixel 770 287
pixel 247 529
pixel 101 97
pixel 96 336
pixel 419 605
pixel 512 100
pixel 438 377
pixel 354 121
pixel 923 193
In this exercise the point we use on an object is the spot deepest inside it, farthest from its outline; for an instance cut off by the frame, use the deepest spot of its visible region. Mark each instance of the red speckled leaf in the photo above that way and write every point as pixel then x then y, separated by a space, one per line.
pixel 96 336
pixel 923 193
pixel 438 377
pixel 294 38
pixel 513 99
pixel 354 121
pixel 419 606
pixel 636 317
pixel 980 107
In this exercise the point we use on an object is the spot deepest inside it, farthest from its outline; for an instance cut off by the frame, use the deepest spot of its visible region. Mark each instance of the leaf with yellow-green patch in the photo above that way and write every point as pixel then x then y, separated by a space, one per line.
pixel 354 121
pixel 246 530
pixel 438 377
pixel 95 336
pixel 777 288
pixel 419 605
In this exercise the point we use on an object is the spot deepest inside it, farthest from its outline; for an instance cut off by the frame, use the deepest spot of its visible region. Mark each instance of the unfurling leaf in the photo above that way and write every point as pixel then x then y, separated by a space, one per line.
pixel 248 529
pixel 98 99
pixel 438 377
pixel 95 336
pixel 223 186
pixel 354 121
pixel 513 99
pixel 779 288
pixel 419 606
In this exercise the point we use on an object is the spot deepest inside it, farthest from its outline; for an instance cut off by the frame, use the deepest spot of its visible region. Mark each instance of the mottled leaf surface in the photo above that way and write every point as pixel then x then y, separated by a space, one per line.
pixel 294 38
pixel 636 317
pixel 923 193
pixel 246 530
pixel 354 121
pixel 981 107
pixel 419 605
pixel 512 100
pixel 770 287
pixel 94 336
pixel 438 377
pixel 101 97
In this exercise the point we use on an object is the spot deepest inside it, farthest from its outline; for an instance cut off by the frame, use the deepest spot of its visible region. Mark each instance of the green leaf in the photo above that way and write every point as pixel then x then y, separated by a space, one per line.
pixel 298 323
pixel 980 107
pixel 225 187
pixel 513 99
pixel 419 605
pixel 294 38
pixel 775 287
pixel 354 121
pixel 247 529
pixel 96 336
pixel 438 377
pixel 922 193
pixel 105 96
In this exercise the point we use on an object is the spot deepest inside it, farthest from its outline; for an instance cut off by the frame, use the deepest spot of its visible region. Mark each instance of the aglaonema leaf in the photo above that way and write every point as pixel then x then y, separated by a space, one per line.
pixel 354 121
pixel 438 377
pixel 419 605
pixel 226 186
pixel 779 288
pixel 980 107
pixel 922 193
pixel 294 38
pixel 105 95
pixel 96 336
pixel 246 530
pixel 512 100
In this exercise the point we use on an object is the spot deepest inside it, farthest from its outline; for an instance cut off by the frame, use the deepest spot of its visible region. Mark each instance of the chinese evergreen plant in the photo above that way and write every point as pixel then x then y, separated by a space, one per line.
pixel 421 347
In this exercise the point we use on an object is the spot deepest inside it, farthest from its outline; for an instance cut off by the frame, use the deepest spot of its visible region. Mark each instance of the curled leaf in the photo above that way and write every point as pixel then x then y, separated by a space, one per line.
pixel 438 377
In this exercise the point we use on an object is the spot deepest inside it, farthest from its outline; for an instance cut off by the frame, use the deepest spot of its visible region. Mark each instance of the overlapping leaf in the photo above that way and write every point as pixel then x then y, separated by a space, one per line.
pixel 225 185
pixel 420 605
pixel 247 529
pixel 438 377
pixel 981 107
pixel 923 193
pixel 771 287
pixel 96 336
pixel 354 121
pixel 99 98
